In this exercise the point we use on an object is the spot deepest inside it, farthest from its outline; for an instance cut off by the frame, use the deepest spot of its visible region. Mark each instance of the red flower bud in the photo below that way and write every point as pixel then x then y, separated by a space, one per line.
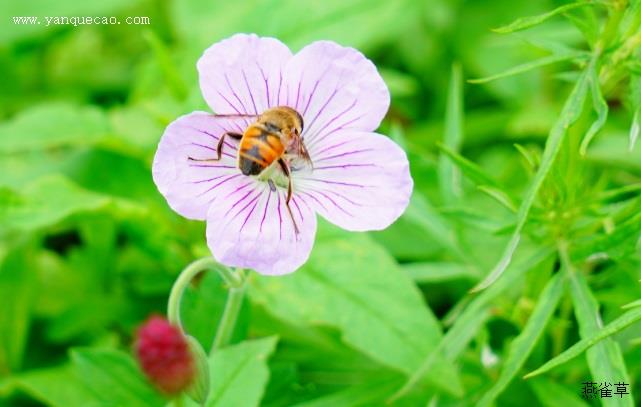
pixel 164 355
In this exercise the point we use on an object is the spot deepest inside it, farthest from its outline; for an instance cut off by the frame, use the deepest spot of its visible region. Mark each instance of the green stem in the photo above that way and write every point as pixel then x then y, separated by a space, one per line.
pixel 232 308
pixel 191 271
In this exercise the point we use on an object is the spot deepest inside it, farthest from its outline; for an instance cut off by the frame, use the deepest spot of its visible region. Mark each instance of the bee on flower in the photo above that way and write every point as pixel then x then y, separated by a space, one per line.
pixel 292 136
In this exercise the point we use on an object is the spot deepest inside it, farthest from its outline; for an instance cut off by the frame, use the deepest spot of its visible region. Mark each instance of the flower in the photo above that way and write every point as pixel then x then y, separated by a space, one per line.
pixel 359 180
pixel 164 356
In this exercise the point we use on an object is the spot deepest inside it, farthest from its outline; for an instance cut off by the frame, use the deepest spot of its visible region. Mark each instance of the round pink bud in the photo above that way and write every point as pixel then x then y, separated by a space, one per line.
pixel 164 356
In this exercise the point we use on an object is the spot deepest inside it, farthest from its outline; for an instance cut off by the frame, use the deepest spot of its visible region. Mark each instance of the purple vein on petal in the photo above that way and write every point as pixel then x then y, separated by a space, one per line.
pixel 280 219
pixel 214 137
pixel 339 207
pixel 328 167
pixel 231 88
pixel 333 146
pixel 211 166
pixel 227 100
pixel 208 179
pixel 305 202
pixel 344 197
pixel 212 149
pixel 311 96
pixel 262 73
pixel 219 184
pixel 338 116
pixel 265 211
pixel 237 202
pixel 317 140
pixel 255 202
pixel 364 150
pixel 251 95
pixel 300 213
pixel 325 181
pixel 297 92
pixel 280 84
pixel 314 198
pixel 329 99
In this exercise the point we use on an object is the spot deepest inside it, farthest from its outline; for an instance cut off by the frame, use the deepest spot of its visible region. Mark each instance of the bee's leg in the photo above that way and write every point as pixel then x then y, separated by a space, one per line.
pixel 219 147
pixel 285 168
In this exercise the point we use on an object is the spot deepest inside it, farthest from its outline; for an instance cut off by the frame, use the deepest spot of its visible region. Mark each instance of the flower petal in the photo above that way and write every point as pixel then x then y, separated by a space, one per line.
pixel 243 74
pixel 360 181
pixel 189 186
pixel 334 88
pixel 248 226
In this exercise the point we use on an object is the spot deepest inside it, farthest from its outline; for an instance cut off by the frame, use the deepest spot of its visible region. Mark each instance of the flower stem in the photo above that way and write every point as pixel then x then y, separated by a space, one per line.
pixel 192 270
pixel 232 308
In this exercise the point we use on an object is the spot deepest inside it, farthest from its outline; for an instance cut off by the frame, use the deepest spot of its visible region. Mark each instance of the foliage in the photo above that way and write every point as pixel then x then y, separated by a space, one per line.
pixel 522 143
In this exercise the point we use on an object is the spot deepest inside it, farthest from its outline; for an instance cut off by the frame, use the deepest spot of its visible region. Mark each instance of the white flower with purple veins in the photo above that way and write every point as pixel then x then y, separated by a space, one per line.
pixel 293 136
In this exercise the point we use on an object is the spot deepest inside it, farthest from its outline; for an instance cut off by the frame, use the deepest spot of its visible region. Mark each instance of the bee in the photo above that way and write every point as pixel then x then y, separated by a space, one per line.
pixel 275 137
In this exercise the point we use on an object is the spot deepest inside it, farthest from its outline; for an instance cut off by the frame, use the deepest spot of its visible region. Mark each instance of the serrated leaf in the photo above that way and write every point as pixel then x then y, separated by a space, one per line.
pixel 383 315
pixel 239 373
pixel 549 60
pixel 523 344
pixel 596 337
pixel 449 176
pixel 570 113
pixel 528 22
pixel 114 379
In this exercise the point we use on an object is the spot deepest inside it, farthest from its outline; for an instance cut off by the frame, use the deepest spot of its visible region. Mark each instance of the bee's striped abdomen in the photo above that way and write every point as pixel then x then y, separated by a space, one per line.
pixel 259 148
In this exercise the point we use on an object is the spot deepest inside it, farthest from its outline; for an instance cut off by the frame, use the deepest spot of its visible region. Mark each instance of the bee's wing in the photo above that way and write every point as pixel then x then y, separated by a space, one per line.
pixel 299 149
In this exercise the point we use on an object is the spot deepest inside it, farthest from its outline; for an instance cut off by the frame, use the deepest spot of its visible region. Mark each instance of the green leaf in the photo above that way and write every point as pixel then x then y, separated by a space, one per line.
pixel 470 169
pixel 239 373
pixel 523 344
pixel 423 214
pixel 600 107
pixel 55 387
pixel 499 195
pixel 604 358
pixel 595 337
pixel 471 319
pixel 635 101
pixel 552 394
pixel 382 315
pixel 528 22
pixel 113 377
pixel 370 393
pixel 634 128
pixel 570 113
pixel 449 177
pixel 17 291
pixel 549 60
pixel 53 125
pixel 437 272
pixel 46 202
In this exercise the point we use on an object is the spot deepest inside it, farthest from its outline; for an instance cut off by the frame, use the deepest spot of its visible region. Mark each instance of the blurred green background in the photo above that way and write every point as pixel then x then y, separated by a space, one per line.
pixel 89 248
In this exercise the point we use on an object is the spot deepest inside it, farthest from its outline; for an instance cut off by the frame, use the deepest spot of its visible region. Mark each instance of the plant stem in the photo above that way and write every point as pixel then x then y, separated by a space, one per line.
pixel 232 308
pixel 185 277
